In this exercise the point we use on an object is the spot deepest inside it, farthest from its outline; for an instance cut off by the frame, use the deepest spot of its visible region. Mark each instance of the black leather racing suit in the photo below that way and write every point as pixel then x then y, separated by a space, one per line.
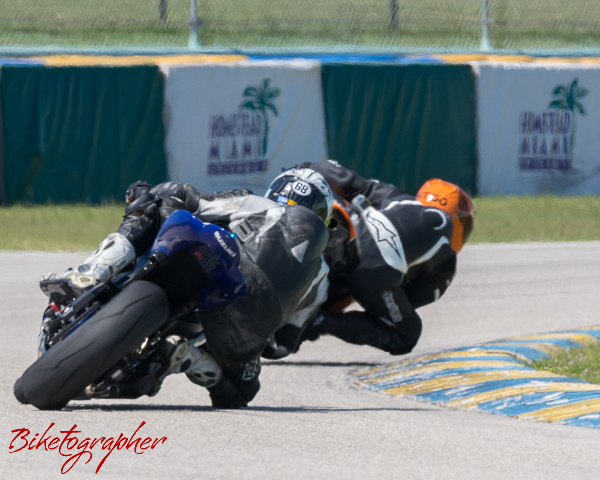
pixel 281 262
pixel 405 262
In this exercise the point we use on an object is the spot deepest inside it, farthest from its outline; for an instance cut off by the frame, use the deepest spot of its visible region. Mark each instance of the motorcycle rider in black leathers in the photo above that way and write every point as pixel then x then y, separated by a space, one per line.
pixel 281 243
pixel 389 251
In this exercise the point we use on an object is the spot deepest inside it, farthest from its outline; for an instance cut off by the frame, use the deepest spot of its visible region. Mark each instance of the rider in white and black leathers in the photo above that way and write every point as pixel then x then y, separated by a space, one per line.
pixel 401 260
pixel 281 283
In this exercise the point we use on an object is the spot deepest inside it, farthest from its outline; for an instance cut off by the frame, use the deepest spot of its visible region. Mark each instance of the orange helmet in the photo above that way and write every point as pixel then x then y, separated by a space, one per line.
pixel 342 216
pixel 342 252
pixel 455 202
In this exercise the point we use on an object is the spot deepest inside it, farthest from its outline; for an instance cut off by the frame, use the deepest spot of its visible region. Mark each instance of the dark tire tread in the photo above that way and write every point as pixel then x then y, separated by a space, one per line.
pixel 88 353
pixel 19 394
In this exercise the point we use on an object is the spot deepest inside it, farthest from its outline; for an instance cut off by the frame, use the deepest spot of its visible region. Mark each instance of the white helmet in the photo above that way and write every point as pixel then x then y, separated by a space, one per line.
pixel 303 186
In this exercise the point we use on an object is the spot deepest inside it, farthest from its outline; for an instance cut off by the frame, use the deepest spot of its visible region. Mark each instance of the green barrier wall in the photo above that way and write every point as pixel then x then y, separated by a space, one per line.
pixel 403 124
pixel 80 133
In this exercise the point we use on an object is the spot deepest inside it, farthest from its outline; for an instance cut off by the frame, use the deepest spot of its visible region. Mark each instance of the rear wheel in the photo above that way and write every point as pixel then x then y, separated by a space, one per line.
pixel 94 348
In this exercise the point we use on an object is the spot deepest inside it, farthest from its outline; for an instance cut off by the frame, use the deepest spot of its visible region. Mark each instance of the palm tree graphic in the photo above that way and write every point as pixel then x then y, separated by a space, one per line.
pixel 567 98
pixel 260 99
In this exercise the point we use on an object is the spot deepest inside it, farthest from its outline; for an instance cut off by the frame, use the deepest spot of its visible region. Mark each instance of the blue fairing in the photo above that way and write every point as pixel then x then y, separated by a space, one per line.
pixel 214 248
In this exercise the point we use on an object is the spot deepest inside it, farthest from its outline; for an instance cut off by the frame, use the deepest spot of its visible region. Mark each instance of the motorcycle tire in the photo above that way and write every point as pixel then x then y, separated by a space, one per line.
pixel 18 391
pixel 94 348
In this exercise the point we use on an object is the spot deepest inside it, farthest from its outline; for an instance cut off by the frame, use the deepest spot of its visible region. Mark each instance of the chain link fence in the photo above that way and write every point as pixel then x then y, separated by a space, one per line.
pixel 403 24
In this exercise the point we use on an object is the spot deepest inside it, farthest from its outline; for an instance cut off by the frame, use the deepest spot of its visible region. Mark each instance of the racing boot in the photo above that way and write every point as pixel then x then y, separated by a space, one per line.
pixel 203 369
pixel 199 366
pixel 112 256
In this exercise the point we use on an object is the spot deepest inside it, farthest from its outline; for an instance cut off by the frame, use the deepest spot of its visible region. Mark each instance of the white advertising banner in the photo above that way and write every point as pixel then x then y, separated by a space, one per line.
pixel 539 129
pixel 236 125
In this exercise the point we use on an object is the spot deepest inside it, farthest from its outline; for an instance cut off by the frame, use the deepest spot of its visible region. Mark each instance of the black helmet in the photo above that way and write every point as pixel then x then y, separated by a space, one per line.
pixel 303 186
pixel 136 190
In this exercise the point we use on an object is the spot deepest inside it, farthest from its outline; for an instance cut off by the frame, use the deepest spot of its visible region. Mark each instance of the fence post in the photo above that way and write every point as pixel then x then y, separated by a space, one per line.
pixel 194 41
pixel 393 14
pixel 485 22
pixel 162 11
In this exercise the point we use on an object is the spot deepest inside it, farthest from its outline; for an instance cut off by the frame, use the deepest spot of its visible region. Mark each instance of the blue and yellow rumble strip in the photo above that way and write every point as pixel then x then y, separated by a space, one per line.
pixel 495 378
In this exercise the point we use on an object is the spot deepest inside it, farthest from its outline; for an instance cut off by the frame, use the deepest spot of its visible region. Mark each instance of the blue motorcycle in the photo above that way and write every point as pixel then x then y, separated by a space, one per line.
pixel 108 342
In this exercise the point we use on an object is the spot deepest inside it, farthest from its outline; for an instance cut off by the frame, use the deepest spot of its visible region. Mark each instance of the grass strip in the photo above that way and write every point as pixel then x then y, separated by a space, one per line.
pixel 583 363
pixel 57 227
pixel 543 218
pixel 514 24
pixel 499 219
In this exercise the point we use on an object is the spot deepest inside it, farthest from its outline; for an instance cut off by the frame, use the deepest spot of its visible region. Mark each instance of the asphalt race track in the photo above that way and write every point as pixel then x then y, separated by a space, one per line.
pixel 308 421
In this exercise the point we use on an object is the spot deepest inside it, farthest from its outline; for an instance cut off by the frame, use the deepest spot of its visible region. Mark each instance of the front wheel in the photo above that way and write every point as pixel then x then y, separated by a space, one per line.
pixel 94 348
pixel 18 390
